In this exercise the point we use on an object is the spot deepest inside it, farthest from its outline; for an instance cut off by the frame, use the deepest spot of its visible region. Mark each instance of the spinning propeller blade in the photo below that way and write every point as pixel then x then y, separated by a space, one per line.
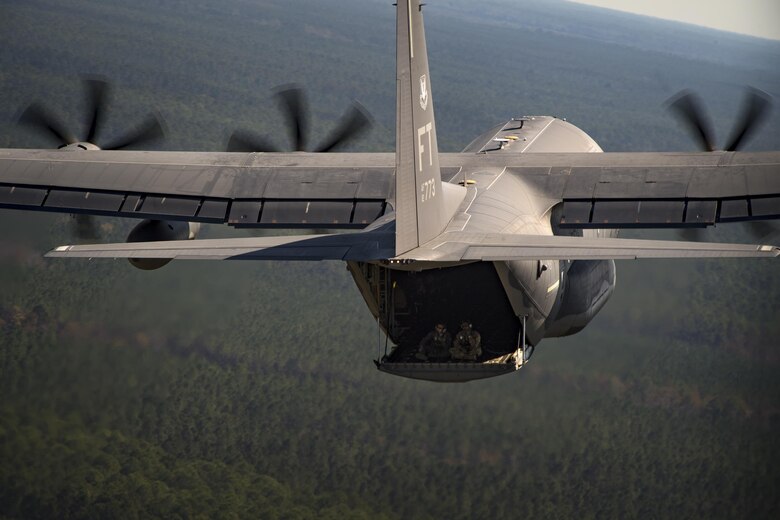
pixel 38 118
pixel 150 130
pixel 96 93
pixel 755 110
pixel 292 101
pixel 354 122
pixel 688 107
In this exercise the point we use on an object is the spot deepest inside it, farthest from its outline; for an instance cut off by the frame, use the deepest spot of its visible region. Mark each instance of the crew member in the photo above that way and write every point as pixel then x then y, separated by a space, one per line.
pixel 435 346
pixel 467 345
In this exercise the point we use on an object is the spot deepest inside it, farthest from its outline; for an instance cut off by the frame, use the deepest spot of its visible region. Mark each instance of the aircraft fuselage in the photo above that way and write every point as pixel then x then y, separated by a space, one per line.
pixel 554 298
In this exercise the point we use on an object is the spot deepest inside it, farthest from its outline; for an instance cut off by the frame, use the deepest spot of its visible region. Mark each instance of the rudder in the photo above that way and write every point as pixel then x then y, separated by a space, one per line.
pixel 423 206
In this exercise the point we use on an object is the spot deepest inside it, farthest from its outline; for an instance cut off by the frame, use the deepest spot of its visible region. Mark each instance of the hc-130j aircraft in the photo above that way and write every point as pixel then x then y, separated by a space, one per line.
pixel 517 233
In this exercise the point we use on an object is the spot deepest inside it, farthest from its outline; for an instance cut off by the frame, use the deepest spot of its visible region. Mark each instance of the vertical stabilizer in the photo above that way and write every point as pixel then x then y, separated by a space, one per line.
pixel 420 209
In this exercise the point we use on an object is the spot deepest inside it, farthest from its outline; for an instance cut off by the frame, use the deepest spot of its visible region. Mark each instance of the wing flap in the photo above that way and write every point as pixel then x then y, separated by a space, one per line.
pixel 659 213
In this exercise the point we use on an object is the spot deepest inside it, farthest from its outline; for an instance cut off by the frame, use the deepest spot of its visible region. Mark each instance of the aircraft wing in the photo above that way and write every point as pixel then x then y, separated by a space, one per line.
pixel 654 190
pixel 347 190
pixel 240 189
pixel 463 246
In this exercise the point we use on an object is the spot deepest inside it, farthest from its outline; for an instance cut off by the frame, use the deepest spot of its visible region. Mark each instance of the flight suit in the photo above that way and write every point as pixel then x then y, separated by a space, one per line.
pixel 435 346
pixel 467 345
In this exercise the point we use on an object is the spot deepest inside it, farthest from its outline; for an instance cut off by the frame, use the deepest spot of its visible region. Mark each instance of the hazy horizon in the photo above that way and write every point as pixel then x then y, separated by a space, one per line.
pixel 759 18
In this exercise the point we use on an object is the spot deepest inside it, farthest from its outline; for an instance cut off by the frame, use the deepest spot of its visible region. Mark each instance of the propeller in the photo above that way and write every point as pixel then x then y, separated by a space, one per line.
pixel 294 106
pixel 43 121
pixel 688 107
pixel 755 110
pixel 37 117
pixel 97 91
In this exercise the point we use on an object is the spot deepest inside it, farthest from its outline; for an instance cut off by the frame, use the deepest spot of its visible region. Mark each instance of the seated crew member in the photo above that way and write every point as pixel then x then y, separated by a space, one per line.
pixel 435 346
pixel 467 345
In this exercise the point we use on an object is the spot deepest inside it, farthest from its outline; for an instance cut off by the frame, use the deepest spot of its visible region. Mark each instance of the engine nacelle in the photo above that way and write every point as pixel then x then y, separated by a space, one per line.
pixel 589 284
pixel 532 287
pixel 156 231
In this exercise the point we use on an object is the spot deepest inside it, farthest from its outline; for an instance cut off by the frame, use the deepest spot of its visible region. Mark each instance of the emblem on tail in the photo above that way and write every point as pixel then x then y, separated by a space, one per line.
pixel 423 92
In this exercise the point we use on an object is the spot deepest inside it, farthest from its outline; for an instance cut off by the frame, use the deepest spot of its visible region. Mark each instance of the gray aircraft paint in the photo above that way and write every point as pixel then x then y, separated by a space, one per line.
pixel 422 206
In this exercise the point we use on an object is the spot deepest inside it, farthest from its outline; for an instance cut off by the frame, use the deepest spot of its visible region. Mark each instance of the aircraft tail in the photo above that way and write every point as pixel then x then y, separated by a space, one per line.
pixel 423 206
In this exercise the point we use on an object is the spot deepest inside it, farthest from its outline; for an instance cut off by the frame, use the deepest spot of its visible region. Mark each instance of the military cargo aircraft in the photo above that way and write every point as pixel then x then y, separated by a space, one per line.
pixel 516 234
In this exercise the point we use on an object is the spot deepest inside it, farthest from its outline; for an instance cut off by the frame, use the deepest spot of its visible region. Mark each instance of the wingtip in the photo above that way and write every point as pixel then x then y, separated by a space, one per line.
pixel 58 251
pixel 771 250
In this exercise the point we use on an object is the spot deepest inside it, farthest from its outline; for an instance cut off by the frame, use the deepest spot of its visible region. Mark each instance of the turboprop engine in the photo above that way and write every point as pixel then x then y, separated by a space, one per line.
pixel 160 230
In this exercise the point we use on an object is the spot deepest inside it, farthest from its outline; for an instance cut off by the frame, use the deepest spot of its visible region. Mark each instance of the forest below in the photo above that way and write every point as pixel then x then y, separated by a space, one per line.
pixel 246 390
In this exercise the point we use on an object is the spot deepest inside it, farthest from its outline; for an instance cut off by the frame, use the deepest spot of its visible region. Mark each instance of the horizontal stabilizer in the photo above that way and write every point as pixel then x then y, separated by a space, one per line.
pixel 459 246
pixel 373 245
pixel 449 247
